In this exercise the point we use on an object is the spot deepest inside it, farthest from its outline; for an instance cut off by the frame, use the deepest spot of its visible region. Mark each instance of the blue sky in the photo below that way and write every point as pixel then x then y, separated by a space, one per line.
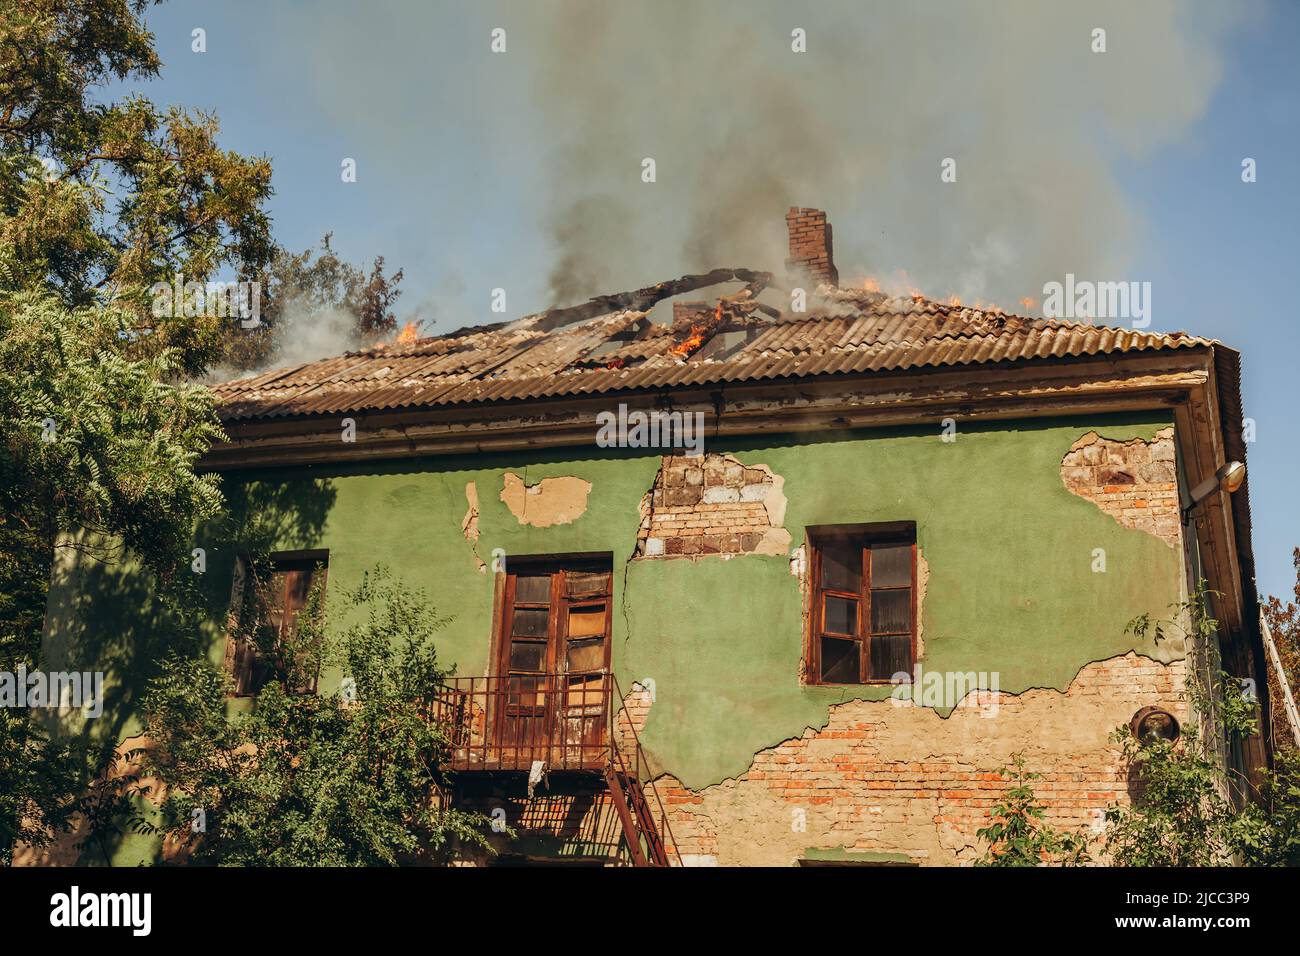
pixel 471 164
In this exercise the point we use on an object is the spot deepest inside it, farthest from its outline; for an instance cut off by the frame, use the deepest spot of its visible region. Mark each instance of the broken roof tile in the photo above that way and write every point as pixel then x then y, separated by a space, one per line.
pixel 606 345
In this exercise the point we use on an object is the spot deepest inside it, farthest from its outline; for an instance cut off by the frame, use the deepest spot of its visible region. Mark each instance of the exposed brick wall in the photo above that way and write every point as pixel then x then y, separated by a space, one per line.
pixel 712 505
pixel 810 245
pixel 630 721
pixel 883 778
pixel 1135 482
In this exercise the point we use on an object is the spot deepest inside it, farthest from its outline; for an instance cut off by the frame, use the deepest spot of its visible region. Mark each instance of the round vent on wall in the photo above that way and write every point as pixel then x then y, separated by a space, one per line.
pixel 1154 723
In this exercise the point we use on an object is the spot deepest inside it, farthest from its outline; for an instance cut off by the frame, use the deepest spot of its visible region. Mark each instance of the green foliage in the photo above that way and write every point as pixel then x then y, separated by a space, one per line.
pixel 1269 832
pixel 1182 813
pixel 37 780
pixel 315 287
pixel 1284 623
pixel 100 199
pixel 93 444
pixel 1018 834
pixel 347 778
pixel 96 451
pixel 109 806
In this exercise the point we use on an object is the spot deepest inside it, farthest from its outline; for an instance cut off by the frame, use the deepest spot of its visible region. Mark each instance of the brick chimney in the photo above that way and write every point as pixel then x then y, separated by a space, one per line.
pixel 810 245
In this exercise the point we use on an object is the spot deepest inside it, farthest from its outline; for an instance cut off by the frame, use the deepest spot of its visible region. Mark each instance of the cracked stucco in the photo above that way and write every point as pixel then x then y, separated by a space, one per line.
pixel 1134 481
pixel 469 524
pixel 1007 550
pixel 705 508
pixel 893 779
pixel 550 502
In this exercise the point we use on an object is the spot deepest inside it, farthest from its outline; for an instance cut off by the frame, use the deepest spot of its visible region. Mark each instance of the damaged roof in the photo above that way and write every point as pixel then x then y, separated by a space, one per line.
pixel 608 345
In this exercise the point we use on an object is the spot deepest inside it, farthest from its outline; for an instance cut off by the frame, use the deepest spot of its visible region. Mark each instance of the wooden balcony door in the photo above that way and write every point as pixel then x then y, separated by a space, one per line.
pixel 555 658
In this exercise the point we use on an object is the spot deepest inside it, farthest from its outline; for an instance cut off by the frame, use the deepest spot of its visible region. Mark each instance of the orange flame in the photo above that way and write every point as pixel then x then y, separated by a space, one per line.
pixel 409 334
pixel 699 330
pixel 1027 303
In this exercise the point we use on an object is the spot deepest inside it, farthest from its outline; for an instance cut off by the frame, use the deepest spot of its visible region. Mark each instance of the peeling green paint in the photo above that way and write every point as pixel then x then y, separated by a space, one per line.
pixel 1009 551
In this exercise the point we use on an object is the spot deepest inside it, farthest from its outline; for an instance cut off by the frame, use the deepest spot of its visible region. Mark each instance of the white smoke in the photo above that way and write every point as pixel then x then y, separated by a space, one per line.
pixel 741 127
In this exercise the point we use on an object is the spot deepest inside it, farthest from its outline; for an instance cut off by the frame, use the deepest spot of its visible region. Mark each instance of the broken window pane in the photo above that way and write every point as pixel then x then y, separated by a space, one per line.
pixel 891 655
pixel 582 583
pixel 840 663
pixel 842 566
pixel 533 589
pixel 530 622
pixel 891 565
pixel 587 655
pixel 527 655
pixel 525 692
pixel 586 691
pixel 586 621
pixel 841 615
pixel 891 610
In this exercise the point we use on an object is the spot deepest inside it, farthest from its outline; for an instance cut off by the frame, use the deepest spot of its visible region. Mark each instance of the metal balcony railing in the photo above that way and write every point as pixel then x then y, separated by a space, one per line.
pixel 568 722
pixel 508 723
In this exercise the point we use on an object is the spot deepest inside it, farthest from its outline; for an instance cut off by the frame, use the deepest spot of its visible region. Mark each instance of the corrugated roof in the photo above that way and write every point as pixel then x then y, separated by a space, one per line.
pixel 844 332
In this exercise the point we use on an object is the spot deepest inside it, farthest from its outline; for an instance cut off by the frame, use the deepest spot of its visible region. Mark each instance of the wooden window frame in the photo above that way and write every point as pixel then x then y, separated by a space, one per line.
pixel 865 536
pixel 245 569
pixel 557 566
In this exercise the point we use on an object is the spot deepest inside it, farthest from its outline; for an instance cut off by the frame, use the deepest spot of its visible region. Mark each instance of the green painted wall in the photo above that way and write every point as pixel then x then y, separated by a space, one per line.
pixel 1009 551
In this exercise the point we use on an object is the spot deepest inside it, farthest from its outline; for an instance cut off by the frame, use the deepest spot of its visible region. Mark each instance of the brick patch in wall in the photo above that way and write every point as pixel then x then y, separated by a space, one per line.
pixel 712 505
pixel 886 778
pixel 1135 481
pixel 889 779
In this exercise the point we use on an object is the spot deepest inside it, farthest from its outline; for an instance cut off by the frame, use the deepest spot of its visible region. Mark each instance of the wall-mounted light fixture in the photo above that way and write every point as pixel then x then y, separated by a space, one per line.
pixel 1154 723
pixel 1230 475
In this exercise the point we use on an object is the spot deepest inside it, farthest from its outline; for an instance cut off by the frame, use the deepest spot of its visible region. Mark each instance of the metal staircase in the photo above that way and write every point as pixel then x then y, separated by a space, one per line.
pixel 649 837
pixel 515 724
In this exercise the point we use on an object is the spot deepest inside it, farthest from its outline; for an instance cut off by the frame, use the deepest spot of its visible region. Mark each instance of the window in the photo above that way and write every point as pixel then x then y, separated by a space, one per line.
pixel 270 598
pixel 553 661
pixel 556 618
pixel 862 620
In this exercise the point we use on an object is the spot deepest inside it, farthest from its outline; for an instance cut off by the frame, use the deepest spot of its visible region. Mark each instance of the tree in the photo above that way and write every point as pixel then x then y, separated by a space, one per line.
pixel 348 778
pixel 180 205
pixel 100 449
pixel 99 200
pixel 1182 813
pixel 313 287
pixel 1018 834
pixel 1270 831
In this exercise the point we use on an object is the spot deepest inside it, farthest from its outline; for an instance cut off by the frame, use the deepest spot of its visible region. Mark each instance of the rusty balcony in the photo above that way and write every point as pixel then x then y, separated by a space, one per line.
pixel 568 722
pixel 507 723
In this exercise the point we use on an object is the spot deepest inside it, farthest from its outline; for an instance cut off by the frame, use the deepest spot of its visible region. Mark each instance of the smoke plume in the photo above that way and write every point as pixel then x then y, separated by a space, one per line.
pixel 740 127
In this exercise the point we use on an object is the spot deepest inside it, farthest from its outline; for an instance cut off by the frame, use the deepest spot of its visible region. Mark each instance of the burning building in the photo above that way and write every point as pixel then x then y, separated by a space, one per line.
pixel 907 550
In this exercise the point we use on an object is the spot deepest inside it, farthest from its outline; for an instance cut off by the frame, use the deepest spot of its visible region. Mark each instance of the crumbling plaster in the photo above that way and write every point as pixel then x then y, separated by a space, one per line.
pixel 550 501
pixel 1134 481
pixel 893 780
pixel 1008 548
